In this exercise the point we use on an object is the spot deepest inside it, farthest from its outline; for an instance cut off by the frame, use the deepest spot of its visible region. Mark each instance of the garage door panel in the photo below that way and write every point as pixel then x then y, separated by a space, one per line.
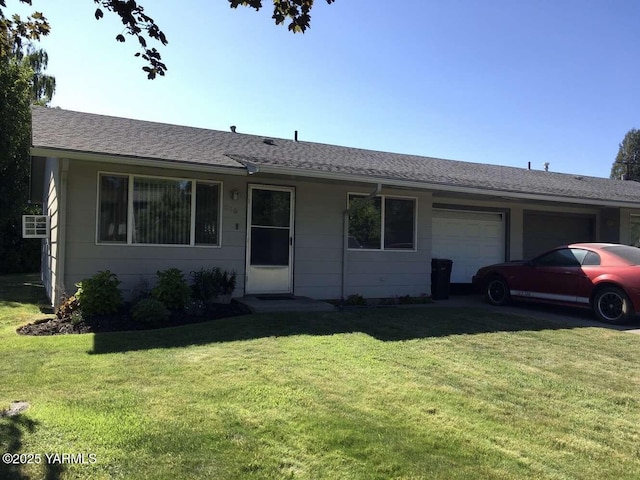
pixel 470 239
pixel 544 231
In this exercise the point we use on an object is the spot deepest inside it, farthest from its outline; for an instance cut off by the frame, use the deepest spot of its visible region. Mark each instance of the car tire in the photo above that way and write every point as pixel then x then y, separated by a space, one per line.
pixel 612 305
pixel 497 291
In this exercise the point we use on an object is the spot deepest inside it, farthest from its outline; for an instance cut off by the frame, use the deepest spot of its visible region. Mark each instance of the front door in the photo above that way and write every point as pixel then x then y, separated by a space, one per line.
pixel 269 240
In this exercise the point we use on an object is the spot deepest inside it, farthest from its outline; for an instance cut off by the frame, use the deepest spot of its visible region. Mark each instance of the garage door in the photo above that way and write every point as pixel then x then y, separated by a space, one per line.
pixel 544 231
pixel 470 239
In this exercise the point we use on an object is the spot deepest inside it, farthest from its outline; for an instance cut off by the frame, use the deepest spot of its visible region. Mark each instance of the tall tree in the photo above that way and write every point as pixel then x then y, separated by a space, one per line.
pixel 14 30
pixel 22 82
pixel 627 160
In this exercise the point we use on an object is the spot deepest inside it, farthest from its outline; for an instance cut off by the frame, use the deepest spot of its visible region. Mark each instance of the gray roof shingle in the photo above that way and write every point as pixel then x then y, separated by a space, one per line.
pixel 55 129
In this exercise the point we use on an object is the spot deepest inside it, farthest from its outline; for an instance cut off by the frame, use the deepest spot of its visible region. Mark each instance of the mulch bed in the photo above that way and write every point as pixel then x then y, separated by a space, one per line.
pixel 122 322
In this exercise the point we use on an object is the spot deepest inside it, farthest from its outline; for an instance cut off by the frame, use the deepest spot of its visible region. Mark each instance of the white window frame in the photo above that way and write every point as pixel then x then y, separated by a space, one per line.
pixel 383 197
pixel 35 226
pixel 129 242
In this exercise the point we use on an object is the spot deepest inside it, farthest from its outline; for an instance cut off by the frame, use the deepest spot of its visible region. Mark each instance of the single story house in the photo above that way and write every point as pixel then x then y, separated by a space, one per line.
pixel 290 216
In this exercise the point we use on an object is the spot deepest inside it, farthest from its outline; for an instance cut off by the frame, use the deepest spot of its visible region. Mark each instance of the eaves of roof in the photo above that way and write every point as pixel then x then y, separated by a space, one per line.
pixel 76 135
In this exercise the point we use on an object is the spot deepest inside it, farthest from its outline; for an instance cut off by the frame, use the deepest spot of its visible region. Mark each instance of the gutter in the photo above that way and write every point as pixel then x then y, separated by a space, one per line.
pixel 417 185
pixel 138 161
pixel 345 237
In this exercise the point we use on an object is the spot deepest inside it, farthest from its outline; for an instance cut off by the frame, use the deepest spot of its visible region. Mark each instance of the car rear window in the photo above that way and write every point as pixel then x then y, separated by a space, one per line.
pixel 628 253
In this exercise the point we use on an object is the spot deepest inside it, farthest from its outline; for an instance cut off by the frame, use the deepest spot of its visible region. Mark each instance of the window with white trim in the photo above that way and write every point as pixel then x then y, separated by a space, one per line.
pixel 135 209
pixel 35 226
pixel 382 222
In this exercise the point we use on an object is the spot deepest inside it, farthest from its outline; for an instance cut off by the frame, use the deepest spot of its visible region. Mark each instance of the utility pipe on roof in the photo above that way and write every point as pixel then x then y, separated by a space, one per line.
pixel 345 236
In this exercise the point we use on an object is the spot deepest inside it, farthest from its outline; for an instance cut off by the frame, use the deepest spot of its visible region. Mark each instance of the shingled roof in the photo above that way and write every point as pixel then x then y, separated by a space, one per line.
pixel 59 132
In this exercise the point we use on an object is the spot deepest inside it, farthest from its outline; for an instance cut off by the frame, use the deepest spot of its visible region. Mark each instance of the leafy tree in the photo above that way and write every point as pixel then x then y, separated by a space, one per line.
pixel 22 82
pixel 15 30
pixel 627 160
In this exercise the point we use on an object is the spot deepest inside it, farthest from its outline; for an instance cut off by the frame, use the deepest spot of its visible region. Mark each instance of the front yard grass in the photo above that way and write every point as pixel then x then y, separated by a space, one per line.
pixel 431 393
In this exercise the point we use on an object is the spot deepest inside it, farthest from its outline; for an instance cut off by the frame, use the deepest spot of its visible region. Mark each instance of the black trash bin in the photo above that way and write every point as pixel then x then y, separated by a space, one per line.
pixel 440 278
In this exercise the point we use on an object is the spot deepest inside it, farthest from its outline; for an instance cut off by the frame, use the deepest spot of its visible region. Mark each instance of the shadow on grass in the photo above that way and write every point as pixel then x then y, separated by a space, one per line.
pixel 12 431
pixel 16 290
pixel 386 325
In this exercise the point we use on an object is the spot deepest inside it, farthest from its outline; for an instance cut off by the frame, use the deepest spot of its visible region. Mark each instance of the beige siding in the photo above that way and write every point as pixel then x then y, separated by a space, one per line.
pixel 318 236
pixel 625 230
pixel 318 243
pixel 51 246
pixel 393 273
pixel 133 263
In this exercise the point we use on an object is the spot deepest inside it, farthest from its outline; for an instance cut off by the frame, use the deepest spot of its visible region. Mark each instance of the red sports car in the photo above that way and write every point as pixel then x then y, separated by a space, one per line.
pixel 602 276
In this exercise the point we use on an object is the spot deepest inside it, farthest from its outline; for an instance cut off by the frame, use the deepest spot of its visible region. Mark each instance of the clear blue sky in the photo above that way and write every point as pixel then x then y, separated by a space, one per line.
pixel 495 81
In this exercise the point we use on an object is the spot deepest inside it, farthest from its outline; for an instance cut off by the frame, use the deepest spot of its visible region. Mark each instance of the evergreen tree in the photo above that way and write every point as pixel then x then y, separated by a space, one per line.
pixel 627 162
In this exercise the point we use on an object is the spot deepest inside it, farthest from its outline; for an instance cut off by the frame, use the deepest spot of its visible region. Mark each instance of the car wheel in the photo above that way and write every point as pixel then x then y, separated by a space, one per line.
pixel 497 291
pixel 612 305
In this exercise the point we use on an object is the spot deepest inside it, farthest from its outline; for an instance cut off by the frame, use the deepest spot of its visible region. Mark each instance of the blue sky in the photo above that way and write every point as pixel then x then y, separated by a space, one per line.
pixel 493 81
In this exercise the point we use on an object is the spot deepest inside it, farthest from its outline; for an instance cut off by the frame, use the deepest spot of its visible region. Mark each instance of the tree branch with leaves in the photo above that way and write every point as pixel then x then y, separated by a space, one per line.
pixel 15 30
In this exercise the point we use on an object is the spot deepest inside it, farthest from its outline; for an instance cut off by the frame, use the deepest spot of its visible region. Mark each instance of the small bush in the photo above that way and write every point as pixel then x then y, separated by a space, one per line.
pixel 99 295
pixel 207 285
pixel 195 308
pixel 355 299
pixel 150 312
pixel 67 308
pixel 405 300
pixel 227 282
pixel 76 317
pixel 172 289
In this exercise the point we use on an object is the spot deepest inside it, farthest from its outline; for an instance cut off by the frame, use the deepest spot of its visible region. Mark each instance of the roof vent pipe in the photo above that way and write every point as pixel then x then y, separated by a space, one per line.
pixel 546 166
pixel 295 135
pixel 529 166
pixel 233 128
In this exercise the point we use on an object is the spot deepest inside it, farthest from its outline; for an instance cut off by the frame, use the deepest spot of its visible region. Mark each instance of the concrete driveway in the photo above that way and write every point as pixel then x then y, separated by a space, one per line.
pixel 565 315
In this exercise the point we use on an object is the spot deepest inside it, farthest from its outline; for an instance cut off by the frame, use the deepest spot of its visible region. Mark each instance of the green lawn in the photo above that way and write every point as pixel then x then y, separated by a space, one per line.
pixel 431 393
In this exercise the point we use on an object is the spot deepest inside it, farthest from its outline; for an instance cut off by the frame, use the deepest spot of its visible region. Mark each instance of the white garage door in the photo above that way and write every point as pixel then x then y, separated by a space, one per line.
pixel 470 239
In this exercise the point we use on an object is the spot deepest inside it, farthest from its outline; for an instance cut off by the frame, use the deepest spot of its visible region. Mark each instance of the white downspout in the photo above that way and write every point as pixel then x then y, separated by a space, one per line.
pixel 62 234
pixel 345 237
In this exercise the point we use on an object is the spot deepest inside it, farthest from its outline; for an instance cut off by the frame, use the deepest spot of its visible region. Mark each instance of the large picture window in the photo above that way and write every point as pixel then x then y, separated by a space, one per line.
pixel 158 211
pixel 381 223
pixel 112 215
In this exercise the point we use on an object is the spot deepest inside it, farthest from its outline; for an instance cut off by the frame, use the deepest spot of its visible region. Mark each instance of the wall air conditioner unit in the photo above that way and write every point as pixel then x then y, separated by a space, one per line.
pixel 35 226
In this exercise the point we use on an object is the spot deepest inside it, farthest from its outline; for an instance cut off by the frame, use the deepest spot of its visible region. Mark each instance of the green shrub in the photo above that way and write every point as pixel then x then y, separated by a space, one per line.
pixel 207 285
pixel 76 317
pixel 405 300
pixel 196 308
pixel 227 282
pixel 172 289
pixel 150 312
pixel 99 295
pixel 355 299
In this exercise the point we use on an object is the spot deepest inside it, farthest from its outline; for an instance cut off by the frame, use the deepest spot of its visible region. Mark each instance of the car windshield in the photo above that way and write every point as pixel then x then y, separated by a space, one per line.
pixel 628 253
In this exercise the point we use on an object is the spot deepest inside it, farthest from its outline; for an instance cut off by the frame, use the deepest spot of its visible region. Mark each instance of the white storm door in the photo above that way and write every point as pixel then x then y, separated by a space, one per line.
pixel 269 240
